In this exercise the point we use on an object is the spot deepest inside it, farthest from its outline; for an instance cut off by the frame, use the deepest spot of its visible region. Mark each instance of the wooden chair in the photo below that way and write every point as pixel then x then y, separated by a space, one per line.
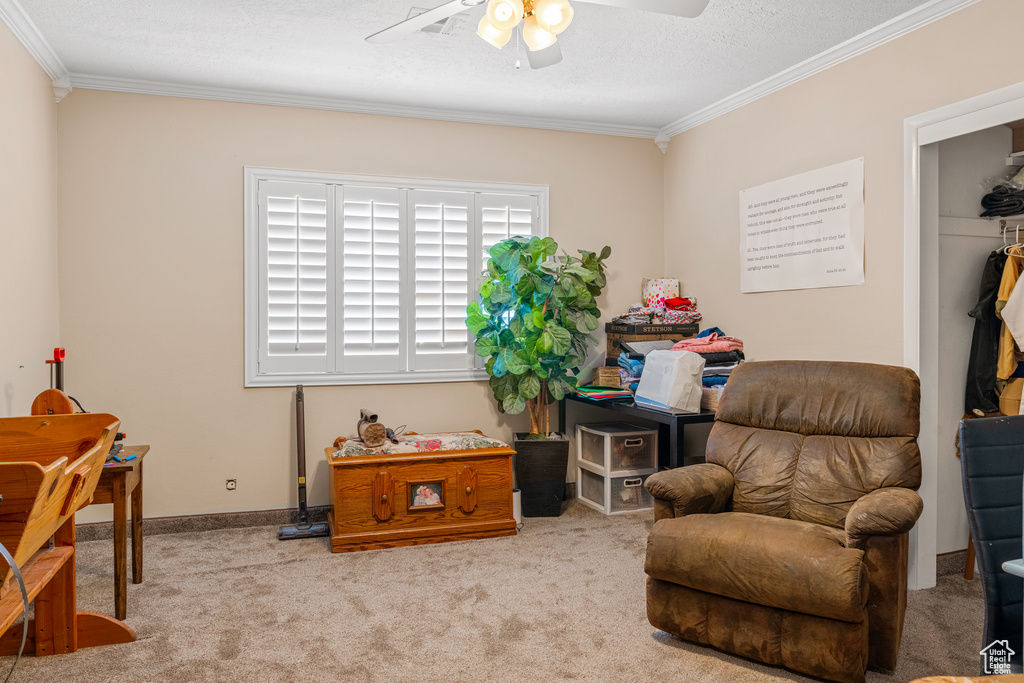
pixel 49 468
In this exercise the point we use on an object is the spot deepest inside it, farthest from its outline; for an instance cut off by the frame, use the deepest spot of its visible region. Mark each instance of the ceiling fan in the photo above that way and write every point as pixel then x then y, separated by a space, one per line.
pixel 542 21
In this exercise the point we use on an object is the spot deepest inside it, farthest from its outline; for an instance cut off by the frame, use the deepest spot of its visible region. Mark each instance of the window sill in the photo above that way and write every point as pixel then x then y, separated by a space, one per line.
pixel 321 379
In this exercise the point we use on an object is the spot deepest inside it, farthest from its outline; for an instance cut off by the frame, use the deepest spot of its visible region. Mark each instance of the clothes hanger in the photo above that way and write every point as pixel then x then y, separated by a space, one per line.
pixel 1004 228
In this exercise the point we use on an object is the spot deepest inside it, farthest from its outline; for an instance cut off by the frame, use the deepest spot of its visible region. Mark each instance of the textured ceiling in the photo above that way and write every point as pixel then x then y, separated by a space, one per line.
pixel 621 66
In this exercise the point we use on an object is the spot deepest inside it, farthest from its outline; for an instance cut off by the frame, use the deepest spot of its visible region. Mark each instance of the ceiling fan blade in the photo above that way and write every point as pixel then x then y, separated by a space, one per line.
pixel 678 8
pixel 541 58
pixel 413 24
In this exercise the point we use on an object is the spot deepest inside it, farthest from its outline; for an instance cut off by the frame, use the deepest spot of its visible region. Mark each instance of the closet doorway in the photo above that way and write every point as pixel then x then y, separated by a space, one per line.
pixel 948 153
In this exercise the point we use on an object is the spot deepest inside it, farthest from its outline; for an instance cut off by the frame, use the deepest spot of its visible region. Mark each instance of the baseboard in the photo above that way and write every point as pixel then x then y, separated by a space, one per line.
pixel 153 526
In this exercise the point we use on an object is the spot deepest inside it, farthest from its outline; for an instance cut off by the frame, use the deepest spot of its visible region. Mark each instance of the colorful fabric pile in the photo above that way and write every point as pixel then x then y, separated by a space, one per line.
pixel 603 393
pixel 629 375
pixel 681 310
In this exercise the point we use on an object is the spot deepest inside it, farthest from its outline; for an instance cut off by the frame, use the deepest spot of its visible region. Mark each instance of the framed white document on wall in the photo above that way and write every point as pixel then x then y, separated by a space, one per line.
pixel 805 231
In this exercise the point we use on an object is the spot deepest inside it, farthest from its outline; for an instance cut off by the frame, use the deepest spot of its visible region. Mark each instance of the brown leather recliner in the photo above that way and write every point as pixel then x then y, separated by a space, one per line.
pixel 789 545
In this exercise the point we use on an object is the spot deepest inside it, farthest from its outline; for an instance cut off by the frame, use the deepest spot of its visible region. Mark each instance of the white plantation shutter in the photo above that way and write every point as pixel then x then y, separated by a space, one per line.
pixel 358 279
pixel 294 276
pixel 442 238
pixel 370 245
pixel 502 216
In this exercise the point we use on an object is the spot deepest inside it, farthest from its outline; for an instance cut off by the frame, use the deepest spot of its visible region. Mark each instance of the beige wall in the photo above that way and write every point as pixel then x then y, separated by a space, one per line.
pixel 151 271
pixel 855 109
pixel 28 228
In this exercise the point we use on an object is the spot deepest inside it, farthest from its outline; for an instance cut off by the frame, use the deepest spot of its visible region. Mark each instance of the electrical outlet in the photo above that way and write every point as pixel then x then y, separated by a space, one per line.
pixel 230 484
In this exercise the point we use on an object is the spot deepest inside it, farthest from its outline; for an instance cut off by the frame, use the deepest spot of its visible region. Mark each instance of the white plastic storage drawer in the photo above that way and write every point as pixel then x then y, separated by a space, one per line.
pixel 617 447
pixel 612 495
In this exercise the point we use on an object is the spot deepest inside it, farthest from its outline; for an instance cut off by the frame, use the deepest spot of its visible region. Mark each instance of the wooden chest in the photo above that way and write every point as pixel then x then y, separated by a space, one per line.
pixel 398 499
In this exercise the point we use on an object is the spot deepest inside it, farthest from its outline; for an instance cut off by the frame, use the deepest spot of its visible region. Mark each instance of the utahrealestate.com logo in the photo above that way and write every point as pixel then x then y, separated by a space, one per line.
pixel 995 659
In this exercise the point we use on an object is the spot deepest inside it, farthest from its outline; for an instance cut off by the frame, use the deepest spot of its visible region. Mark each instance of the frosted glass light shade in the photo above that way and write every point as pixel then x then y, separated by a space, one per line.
pixel 535 37
pixel 553 15
pixel 505 14
pixel 496 37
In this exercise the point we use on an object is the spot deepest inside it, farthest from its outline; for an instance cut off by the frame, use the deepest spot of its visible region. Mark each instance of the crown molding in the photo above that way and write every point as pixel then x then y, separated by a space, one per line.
pixel 142 87
pixel 25 30
pixel 890 30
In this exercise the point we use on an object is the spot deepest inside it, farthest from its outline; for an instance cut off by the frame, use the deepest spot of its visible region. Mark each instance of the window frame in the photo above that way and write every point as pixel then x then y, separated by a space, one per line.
pixel 252 270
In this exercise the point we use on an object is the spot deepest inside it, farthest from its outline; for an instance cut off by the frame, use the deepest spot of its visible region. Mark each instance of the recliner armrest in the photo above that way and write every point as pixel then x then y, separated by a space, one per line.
pixel 883 512
pixel 694 489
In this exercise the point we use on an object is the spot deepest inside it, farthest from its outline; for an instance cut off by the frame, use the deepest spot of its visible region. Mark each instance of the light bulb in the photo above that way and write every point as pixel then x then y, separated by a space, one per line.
pixel 535 37
pixel 496 37
pixel 505 14
pixel 553 15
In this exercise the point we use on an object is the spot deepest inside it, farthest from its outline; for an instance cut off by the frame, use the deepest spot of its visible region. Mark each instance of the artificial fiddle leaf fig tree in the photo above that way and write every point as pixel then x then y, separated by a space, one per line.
pixel 534 320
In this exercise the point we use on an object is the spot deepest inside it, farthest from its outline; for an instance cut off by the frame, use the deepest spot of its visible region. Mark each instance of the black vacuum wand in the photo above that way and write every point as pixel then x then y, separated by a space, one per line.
pixel 303 529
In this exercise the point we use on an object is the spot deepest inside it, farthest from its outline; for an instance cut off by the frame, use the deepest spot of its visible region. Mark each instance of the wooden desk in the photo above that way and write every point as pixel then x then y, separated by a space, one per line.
pixel 670 450
pixel 118 481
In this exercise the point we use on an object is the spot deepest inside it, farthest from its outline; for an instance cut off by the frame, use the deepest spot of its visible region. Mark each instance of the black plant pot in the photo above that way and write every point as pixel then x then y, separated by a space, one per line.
pixel 540 474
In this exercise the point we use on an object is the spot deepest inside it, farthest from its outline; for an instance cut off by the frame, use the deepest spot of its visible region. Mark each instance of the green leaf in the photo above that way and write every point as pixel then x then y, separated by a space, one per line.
pixel 516 365
pixel 524 288
pixel 549 246
pixel 556 340
pixel 485 346
pixel 589 321
pixel 501 249
pixel 584 274
pixel 518 273
pixel 501 294
pixel 517 327
pixel 493 271
pixel 501 362
pixel 565 288
pixel 537 319
pixel 504 386
pixel 541 371
pixel 556 390
pixel 542 285
pixel 529 386
pixel 476 321
pixel 514 404
pixel 486 287
pixel 606 252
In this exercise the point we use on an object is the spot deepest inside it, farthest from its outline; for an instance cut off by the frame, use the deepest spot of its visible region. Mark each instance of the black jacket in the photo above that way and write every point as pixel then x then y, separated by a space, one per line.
pixel 981 370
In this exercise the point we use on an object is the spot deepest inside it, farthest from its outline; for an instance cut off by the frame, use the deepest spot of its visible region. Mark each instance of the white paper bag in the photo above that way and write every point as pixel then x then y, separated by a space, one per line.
pixel 671 379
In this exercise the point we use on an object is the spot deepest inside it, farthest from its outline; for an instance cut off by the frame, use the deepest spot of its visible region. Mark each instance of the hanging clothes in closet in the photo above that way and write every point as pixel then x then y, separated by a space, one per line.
pixel 995 372
pixel 981 394
pixel 1010 307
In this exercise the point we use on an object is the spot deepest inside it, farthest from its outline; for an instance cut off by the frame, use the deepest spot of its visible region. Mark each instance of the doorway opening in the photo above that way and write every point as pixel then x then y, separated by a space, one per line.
pixel 930 250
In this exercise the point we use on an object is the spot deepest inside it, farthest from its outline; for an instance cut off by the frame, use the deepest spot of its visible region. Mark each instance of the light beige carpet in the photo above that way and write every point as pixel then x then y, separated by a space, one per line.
pixel 564 600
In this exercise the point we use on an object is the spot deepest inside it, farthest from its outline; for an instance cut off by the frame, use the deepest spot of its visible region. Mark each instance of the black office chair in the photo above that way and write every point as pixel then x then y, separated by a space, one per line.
pixel 992 463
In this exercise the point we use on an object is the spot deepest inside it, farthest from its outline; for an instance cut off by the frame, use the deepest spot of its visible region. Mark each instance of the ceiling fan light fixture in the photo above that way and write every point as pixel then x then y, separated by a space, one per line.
pixel 535 36
pixel 493 35
pixel 553 15
pixel 505 14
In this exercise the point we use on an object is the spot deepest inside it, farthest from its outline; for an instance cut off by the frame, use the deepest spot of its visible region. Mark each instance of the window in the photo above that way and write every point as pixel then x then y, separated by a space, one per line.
pixel 357 280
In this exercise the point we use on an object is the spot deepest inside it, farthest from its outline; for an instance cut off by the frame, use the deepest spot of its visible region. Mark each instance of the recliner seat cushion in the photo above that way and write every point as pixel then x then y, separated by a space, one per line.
pixel 784 563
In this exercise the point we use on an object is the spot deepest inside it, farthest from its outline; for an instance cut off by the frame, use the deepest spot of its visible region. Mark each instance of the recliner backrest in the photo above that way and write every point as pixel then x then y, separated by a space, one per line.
pixel 806 439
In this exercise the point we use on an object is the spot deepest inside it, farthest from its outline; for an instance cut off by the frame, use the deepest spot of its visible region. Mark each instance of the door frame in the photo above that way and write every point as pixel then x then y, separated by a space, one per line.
pixel 920 282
